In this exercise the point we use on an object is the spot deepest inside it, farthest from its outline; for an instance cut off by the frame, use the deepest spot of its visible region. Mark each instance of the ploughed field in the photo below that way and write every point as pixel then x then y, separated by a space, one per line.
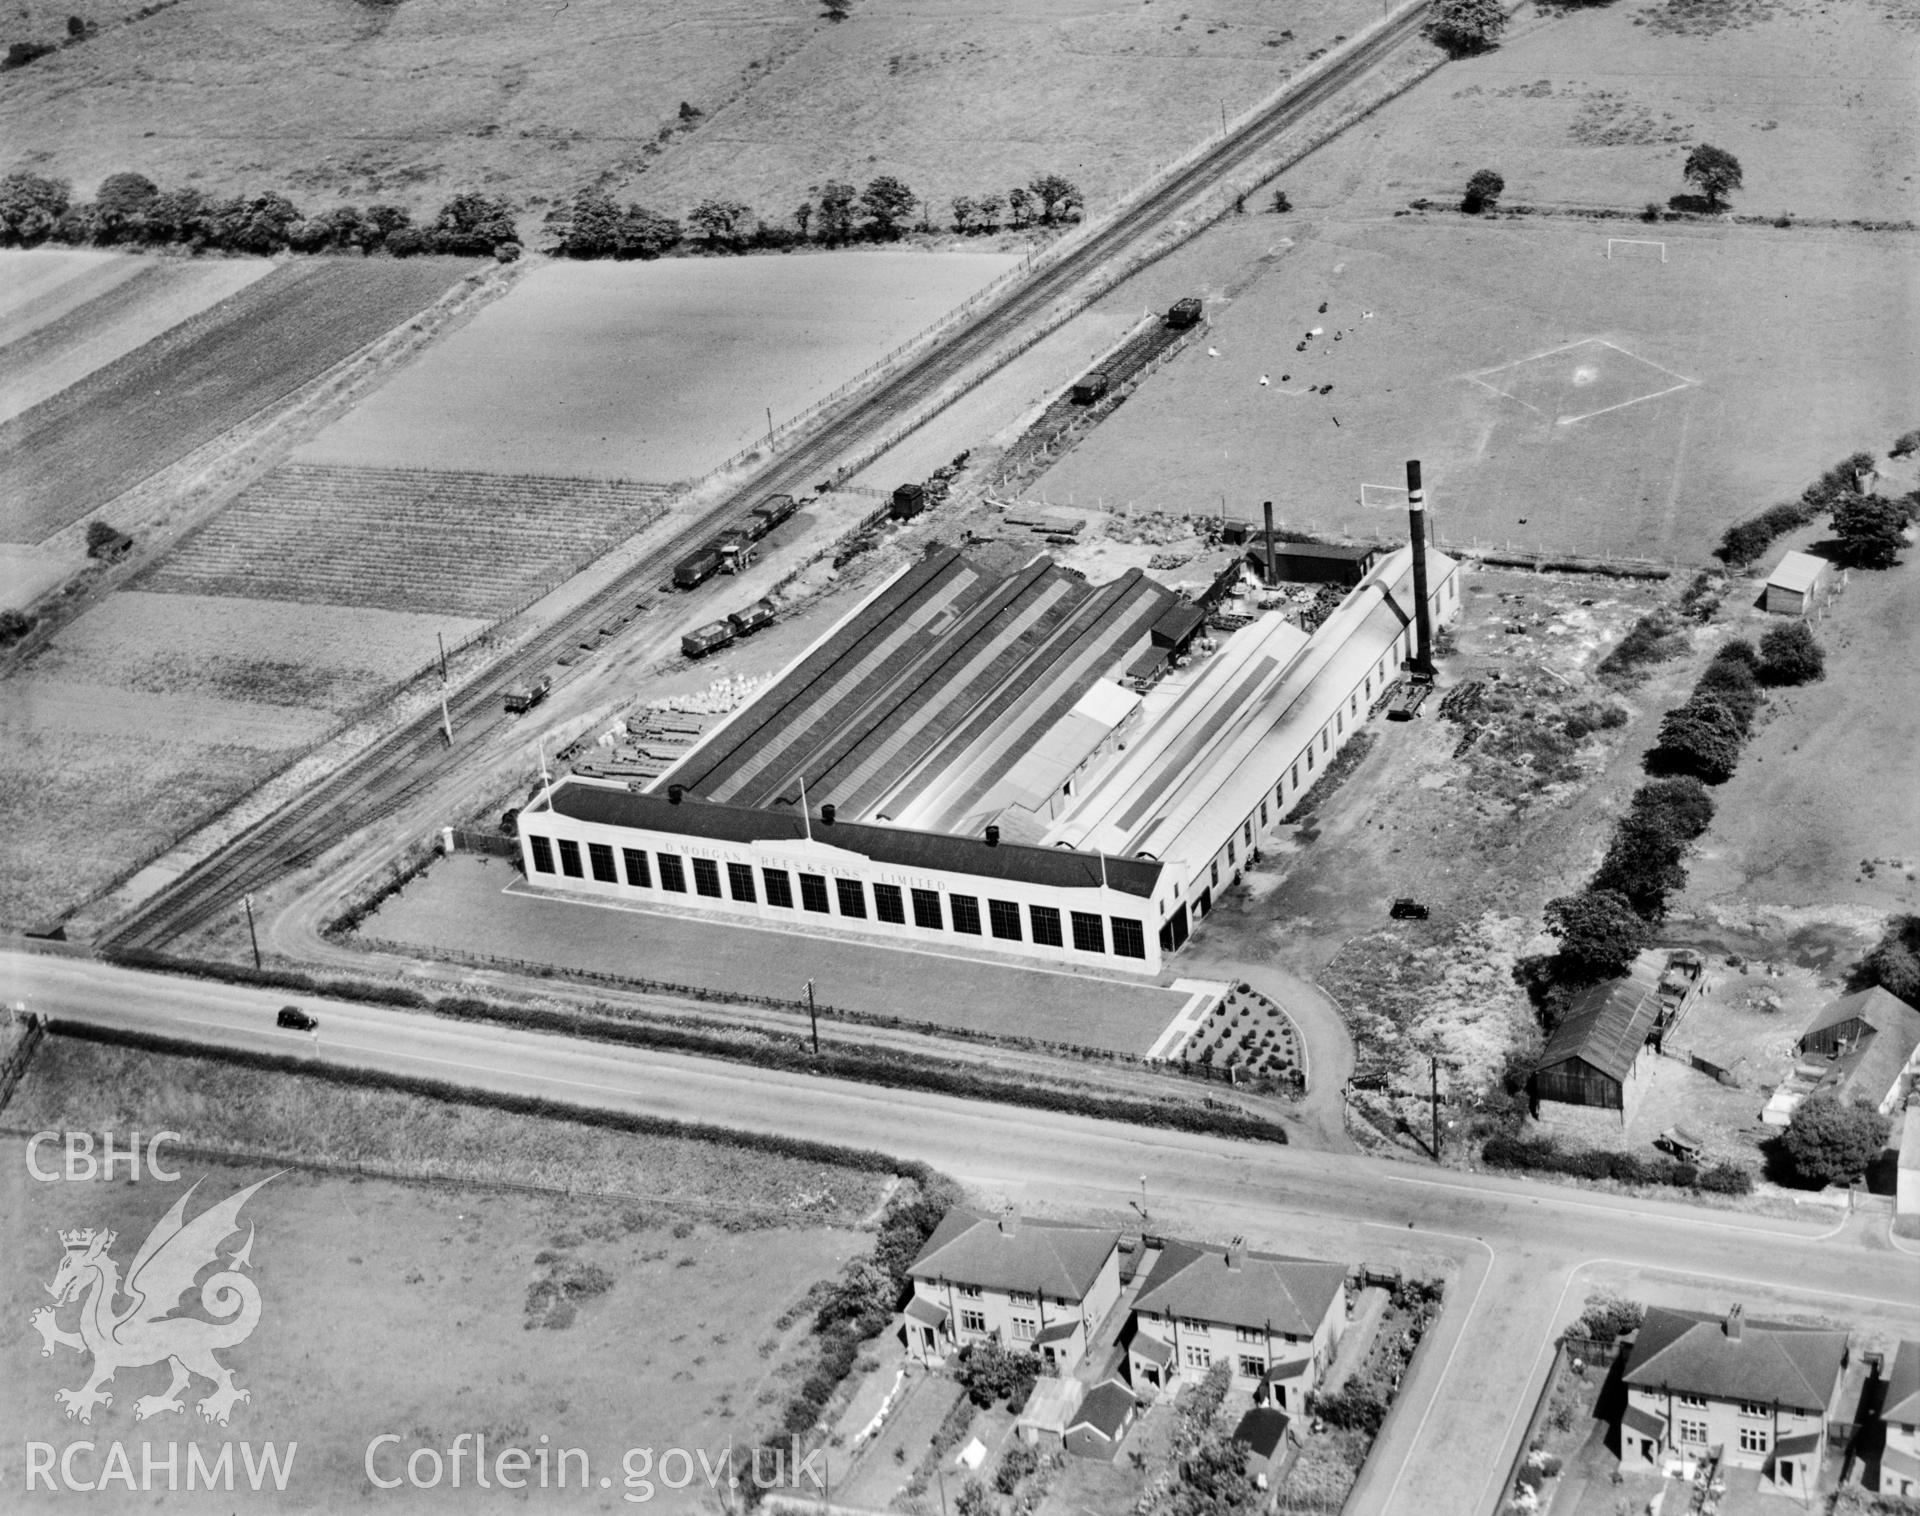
pixel 413 540
pixel 83 446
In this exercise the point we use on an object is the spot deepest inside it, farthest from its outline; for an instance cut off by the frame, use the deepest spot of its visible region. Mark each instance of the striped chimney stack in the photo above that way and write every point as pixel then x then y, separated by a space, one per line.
pixel 1421 666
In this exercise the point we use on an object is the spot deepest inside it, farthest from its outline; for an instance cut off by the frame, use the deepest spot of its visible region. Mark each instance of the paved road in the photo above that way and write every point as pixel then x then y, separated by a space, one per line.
pixel 1515 1246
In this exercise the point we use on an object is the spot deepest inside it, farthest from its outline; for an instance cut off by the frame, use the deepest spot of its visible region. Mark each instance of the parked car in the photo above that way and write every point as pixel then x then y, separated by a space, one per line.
pixel 295 1019
pixel 1406 908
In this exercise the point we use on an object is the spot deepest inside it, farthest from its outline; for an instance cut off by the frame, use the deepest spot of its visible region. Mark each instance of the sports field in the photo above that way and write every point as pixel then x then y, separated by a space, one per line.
pixel 1560 399
pixel 653 371
pixel 153 406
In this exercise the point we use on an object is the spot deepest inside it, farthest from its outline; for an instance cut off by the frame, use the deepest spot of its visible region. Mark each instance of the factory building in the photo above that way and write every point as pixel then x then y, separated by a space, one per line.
pixel 962 761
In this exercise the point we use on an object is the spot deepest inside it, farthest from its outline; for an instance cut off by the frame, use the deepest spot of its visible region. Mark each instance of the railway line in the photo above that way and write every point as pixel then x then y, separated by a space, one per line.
pixel 405 764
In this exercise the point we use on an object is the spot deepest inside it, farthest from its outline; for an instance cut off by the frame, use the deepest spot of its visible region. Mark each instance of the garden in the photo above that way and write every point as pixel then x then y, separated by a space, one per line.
pixel 1248 1038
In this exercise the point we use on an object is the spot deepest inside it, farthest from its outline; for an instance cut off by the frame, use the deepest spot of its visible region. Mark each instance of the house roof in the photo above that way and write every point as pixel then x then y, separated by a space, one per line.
pixel 1691 1352
pixel 1902 1400
pixel 1107 1409
pixel 1797 571
pixel 1875 1006
pixel 898 847
pixel 1052 1403
pixel 1059 1261
pixel 1874 1066
pixel 1262 1430
pixel 1267 1290
pixel 1607 1024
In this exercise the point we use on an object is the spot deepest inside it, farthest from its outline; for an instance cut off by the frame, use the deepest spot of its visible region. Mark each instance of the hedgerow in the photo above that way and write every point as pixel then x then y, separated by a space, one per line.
pixel 1544 1155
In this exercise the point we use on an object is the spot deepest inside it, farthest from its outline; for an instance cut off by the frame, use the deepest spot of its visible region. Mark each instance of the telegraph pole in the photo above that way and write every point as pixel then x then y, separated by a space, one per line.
pixel 1433 1070
pixel 441 638
pixel 813 1015
pixel 252 935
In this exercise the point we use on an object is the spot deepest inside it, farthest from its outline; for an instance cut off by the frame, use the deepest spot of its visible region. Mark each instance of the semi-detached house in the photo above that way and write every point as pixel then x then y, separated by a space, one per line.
pixel 1028 1285
pixel 1899 1470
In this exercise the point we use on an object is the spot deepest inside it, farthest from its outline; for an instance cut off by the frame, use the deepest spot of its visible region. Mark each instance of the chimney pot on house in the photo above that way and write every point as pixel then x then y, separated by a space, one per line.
pixel 827 813
pixel 993 835
pixel 1735 1316
pixel 674 792
pixel 1236 1254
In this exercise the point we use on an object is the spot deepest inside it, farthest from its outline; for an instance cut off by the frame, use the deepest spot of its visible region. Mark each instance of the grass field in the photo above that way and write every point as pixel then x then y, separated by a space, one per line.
pixel 427 1309
pixel 155 405
pixel 650 371
pixel 410 104
pixel 1560 400
pixel 459 905
pixel 1599 105
pixel 67 313
pixel 455 544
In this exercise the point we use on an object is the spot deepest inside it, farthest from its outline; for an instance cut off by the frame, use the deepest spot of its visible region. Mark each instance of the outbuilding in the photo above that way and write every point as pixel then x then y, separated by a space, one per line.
pixel 1795 585
pixel 1595 1064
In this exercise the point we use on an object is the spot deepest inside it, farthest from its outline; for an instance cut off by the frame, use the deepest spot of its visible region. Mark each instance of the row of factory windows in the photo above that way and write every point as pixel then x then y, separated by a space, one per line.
pixel 890 903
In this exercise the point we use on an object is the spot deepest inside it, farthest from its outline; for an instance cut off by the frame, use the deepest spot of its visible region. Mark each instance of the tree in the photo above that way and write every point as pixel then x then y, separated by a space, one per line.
pixel 1483 192
pixel 836 10
pixel 1643 863
pixel 803 217
pixel 1790 655
pixel 587 226
pixel 836 211
pixel 1893 963
pixel 14 625
pixel 644 233
pixel 974 1500
pixel 30 204
pixel 1701 738
pixel 963 212
pixel 988 208
pixel 719 223
pixel 120 206
pixel 1282 202
pixel 1058 197
pixel 103 539
pixel 472 224
pixel 1214 1481
pixel 1682 804
pixel 1713 171
pixel 1871 530
pixel 1905 443
pixel 887 202
pixel 1465 27
pixel 1600 932
pixel 1831 1142
pixel 1019 206
pixel 1608 1316
pixel 260 224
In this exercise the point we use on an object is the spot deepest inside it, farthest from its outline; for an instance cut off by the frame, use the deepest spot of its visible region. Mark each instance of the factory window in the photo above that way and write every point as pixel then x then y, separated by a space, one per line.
pixel 1263 814
pixel 740 881
pixel 853 897
pixel 813 893
pixel 1323 739
pixel 1005 917
pixel 1369 685
pixel 889 904
pixel 1046 925
pixel 570 859
pixel 1309 756
pixel 600 859
pixel 926 910
pixel 1129 938
pixel 1353 705
pixel 706 877
pixel 542 851
pixel 1230 856
pixel 672 876
pixel 1249 831
pixel 638 874
pixel 966 914
pixel 1089 932
pixel 1339 723
pixel 1216 873
pixel 779 888
pixel 1295 771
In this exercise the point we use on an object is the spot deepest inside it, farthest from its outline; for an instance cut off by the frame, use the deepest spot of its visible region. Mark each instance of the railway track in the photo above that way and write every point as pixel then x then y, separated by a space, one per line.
pixel 405 764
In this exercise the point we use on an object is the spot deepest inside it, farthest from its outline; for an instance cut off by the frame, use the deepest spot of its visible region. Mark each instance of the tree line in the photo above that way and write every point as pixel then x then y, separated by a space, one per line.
pixel 130 210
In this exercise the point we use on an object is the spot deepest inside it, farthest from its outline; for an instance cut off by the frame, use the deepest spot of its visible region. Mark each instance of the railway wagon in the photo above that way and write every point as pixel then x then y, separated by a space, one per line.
pixel 769 513
pixel 697 567
pixel 748 621
pixel 524 697
pixel 908 501
pixel 1186 312
pixel 1090 387
pixel 707 639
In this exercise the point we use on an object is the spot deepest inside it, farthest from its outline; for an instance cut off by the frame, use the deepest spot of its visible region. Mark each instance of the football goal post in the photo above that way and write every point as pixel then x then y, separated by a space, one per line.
pixel 1636 247
pixel 1384 497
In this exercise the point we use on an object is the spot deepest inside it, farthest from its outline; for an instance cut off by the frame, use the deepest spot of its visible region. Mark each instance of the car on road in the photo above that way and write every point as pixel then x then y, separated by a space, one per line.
pixel 295 1019
pixel 1406 908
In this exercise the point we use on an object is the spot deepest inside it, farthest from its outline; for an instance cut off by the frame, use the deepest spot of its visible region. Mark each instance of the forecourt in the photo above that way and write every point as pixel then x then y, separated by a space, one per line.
pixel 1446 1447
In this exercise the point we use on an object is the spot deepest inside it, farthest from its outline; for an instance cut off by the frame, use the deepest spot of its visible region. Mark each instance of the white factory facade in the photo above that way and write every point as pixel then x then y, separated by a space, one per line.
pixel 960 762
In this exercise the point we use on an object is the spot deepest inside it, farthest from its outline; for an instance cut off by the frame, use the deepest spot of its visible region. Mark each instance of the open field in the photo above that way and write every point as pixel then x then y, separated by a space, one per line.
pixel 409 104
pixel 1598 106
pixel 427 1309
pixel 82 310
pixel 651 371
pixel 405 540
pixel 1828 782
pixel 462 904
pixel 266 652
pixel 1560 400
pixel 155 405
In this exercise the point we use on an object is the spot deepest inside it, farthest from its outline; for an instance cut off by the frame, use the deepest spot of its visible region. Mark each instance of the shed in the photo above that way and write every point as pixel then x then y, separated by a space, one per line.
pixel 1263 1433
pixel 1870 1039
pixel 1177 627
pixel 1313 562
pixel 1098 1427
pixel 1050 1409
pixel 1593 1064
pixel 1794 586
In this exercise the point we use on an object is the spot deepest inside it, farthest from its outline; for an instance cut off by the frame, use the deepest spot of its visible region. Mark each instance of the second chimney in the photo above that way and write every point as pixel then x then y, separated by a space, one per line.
pixel 1010 1221
pixel 1272 569
pixel 1736 1316
pixel 827 813
pixel 1421 666
pixel 1237 1254
pixel 993 835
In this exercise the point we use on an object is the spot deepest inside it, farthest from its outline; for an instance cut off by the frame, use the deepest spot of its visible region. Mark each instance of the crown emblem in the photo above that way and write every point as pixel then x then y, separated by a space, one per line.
pixel 80 1241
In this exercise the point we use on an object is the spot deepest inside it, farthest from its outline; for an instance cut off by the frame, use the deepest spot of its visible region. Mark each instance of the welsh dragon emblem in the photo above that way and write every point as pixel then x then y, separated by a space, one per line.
pixel 145 1331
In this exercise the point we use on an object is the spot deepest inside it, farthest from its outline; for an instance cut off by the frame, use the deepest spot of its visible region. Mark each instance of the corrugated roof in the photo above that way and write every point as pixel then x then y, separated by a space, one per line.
pixel 1607 1024
pixel 1059 1261
pixel 1289 1295
pixel 1876 1007
pixel 1902 1401
pixel 1797 571
pixel 897 847
pixel 1691 1352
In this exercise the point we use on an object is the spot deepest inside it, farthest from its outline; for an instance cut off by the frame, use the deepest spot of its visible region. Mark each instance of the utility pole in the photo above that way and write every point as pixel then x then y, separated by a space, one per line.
pixel 446 721
pixel 252 935
pixel 1433 1070
pixel 941 1475
pixel 769 426
pixel 813 1015
pixel 441 638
